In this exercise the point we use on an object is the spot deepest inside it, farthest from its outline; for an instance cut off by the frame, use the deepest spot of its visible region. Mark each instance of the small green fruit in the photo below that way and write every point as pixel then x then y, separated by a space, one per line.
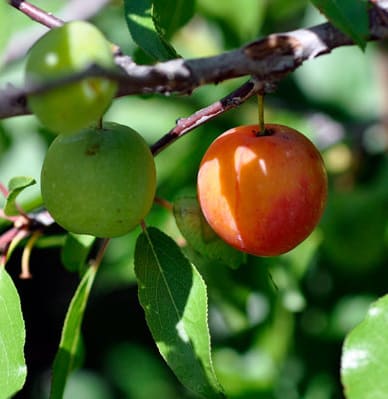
pixel 99 181
pixel 60 53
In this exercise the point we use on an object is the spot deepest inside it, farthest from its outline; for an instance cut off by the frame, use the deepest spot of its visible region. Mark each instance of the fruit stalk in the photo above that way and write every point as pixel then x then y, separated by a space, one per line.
pixel 260 101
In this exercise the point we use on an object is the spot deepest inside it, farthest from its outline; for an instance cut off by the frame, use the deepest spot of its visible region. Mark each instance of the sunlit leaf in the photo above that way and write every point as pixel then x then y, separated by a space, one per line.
pixel 15 186
pixel 13 369
pixel 245 17
pixel 364 365
pixel 173 296
pixel 66 357
pixel 144 32
pixel 349 16
pixel 170 15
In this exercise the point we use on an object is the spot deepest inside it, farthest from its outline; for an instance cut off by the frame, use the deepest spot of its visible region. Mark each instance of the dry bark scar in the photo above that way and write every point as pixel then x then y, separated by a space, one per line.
pixel 272 46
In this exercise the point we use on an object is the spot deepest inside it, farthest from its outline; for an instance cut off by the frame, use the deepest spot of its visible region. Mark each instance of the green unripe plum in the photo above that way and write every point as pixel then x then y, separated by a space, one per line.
pixel 60 53
pixel 100 181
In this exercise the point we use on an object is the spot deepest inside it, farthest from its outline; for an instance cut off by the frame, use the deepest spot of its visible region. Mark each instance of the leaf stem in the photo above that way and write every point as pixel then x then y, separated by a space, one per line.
pixel 163 203
pixel 143 225
pixel 96 262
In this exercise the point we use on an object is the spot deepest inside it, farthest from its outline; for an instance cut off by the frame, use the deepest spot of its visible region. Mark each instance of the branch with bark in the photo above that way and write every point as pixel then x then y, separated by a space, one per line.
pixel 268 59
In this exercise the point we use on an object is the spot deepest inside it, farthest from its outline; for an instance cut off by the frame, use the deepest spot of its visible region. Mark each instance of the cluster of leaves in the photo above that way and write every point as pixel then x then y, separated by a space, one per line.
pixel 269 319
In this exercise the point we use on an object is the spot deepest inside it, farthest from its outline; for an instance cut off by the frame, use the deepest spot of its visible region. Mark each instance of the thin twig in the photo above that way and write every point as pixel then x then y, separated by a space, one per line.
pixel 23 225
pixel 26 273
pixel 37 14
pixel 8 241
pixel 185 125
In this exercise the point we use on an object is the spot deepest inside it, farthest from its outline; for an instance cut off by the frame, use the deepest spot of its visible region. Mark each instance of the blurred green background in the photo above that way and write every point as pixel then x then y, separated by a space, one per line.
pixel 277 324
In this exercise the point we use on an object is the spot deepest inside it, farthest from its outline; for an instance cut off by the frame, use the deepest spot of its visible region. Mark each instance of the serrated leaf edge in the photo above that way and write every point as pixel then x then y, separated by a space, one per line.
pixel 218 387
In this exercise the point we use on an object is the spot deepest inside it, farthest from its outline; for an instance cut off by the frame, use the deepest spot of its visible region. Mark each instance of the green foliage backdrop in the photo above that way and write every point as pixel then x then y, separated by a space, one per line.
pixel 277 325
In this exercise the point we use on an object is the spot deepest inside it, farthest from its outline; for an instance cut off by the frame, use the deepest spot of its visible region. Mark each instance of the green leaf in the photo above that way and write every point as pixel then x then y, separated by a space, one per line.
pixel 349 16
pixel 67 355
pixel 141 25
pixel 245 17
pixel 174 298
pixel 15 186
pixel 200 235
pixel 361 246
pixel 13 368
pixel 170 15
pixel 76 250
pixel 364 363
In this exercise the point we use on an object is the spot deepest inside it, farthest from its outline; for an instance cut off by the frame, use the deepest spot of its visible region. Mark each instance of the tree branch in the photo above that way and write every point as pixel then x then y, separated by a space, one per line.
pixel 36 14
pixel 268 59
pixel 232 100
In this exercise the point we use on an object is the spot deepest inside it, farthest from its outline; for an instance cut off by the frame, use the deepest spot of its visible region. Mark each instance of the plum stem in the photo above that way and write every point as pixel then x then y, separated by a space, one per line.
pixel 263 131
pixel 260 105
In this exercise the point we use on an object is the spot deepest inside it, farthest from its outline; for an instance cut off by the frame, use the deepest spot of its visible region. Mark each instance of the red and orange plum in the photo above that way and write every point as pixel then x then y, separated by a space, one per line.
pixel 262 193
